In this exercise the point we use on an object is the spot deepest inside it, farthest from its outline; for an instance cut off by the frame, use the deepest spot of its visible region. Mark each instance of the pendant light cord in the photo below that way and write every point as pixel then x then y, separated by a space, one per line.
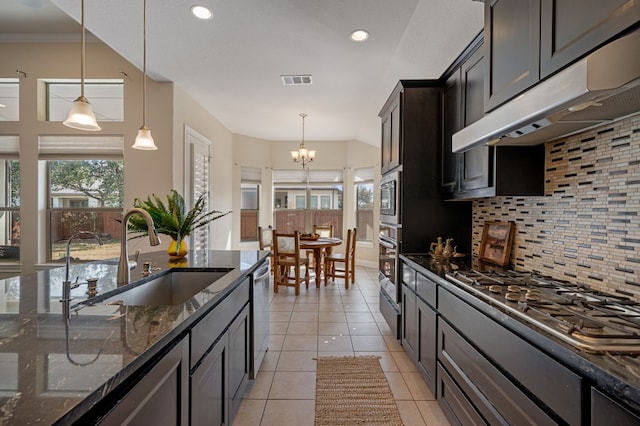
pixel 144 65
pixel 82 55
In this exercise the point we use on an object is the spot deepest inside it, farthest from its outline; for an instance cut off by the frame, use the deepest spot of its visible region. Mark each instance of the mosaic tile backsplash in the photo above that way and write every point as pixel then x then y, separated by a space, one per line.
pixel 586 229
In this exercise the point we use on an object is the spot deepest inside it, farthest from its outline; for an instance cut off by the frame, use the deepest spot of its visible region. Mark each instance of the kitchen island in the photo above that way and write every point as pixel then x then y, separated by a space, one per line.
pixel 115 361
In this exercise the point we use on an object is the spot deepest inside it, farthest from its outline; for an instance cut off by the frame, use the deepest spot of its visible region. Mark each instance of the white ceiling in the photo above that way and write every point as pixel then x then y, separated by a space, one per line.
pixel 232 64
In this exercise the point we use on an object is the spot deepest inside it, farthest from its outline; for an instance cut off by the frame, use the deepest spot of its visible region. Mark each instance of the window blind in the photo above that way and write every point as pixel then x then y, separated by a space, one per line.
pixel 315 176
pixel 65 147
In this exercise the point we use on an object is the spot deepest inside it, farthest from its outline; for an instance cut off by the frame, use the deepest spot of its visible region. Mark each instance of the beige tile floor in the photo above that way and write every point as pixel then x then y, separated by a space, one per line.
pixel 325 322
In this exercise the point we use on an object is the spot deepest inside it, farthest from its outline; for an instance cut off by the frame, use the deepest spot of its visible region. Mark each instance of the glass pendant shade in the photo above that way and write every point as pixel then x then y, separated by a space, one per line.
pixel 81 116
pixel 144 141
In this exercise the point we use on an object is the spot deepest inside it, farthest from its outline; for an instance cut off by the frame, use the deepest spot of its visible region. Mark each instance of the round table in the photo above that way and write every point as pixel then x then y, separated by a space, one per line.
pixel 318 246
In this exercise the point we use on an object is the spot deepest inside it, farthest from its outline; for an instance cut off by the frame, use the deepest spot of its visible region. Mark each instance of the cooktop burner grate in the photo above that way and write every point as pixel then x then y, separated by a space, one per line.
pixel 588 319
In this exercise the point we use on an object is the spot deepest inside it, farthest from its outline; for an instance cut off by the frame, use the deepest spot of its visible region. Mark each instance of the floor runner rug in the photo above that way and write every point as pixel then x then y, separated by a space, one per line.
pixel 353 391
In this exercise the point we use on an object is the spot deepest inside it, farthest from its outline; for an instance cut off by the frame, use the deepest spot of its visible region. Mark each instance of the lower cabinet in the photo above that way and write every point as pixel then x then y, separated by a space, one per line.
pixel 219 378
pixel 209 387
pixel 161 397
pixel 239 359
pixel 475 350
pixel 426 356
pixel 605 411
pixel 419 335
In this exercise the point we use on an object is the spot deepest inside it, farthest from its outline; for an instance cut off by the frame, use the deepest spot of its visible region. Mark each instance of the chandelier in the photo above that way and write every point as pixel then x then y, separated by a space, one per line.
pixel 303 155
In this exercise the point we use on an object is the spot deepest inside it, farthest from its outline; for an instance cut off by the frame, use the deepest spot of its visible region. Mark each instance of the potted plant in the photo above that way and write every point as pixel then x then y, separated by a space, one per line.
pixel 172 219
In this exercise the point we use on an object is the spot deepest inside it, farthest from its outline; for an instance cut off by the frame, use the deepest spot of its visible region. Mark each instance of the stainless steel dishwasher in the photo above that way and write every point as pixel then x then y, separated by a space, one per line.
pixel 260 295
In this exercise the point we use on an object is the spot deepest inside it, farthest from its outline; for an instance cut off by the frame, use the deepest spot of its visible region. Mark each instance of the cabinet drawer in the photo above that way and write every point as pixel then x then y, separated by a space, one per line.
pixel 426 289
pixel 499 400
pixel 553 384
pixel 408 276
pixel 454 404
pixel 207 331
pixel 605 411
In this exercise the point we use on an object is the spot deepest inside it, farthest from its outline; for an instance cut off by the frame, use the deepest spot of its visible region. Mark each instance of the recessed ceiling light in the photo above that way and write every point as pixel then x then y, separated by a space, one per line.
pixel 201 12
pixel 359 35
pixel 3 106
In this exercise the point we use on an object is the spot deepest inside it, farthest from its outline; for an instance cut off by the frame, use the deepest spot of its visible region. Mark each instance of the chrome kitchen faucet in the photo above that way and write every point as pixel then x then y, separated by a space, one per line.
pixel 67 286
pixel 124 275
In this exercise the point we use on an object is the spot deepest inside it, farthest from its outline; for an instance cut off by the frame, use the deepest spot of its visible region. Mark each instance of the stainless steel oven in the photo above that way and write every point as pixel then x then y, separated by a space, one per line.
pixel 389 242
pixel 390 198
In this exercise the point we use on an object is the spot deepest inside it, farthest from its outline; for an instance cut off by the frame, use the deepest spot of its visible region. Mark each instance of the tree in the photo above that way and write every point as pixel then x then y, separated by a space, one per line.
pixel 101 180
pixel 365 196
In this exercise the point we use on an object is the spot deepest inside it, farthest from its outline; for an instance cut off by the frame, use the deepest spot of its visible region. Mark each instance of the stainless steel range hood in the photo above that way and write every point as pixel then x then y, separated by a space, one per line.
pixel 600 87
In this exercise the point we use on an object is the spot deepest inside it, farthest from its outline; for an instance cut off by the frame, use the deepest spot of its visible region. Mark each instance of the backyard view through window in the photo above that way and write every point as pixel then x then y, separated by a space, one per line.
pixel 85 195
pixel 316 193
pixel 364 204
pixel 10 210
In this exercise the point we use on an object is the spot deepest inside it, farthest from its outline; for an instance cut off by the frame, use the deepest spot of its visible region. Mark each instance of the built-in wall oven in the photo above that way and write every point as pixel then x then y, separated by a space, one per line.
pixel 389 242
pixel 390 198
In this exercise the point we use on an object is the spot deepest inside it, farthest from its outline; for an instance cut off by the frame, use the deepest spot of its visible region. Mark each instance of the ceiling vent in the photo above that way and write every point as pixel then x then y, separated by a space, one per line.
pixel 295 80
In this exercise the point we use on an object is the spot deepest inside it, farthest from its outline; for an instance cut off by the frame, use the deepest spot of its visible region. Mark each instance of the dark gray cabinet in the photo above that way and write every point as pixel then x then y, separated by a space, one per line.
pixel 572 28
pixel 419 322
pixel 476 164
pixel 410 339
pixel 512 37
pixel 605 411
pixel 160 397
pixel 220 359
pixel 239 359
pixel 391 134
pixel 484 171
pixel 529 40
pixel 423 215
pixel 475 350
pixel 219 379
pixel 209 387
pixel 451 123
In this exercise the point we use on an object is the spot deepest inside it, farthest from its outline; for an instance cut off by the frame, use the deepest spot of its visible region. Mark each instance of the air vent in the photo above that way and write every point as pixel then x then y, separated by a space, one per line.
pixel 295 80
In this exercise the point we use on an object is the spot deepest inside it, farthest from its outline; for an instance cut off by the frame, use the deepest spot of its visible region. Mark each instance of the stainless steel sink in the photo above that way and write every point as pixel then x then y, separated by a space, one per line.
pixel 173 288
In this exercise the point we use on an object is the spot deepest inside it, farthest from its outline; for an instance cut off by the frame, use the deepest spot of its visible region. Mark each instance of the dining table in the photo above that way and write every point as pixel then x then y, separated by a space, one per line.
pixel 319 246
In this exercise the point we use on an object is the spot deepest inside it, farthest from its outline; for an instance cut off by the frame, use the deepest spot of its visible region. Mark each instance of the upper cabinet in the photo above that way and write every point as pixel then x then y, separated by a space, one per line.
pixel 391 133
pixel 484 171
pixel 512 37
pixel 528 40
pixel 572 28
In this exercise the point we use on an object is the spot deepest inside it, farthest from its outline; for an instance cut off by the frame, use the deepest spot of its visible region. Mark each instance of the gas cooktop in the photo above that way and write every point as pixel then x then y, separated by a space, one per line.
pixel 588 319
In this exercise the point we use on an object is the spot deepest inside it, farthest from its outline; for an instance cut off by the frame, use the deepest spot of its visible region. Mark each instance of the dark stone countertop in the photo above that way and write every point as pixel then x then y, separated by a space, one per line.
pixel 616 374
pixel 51 372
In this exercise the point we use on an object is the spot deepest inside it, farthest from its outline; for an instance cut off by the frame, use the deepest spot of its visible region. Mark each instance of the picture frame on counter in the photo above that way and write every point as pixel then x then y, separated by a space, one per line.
pixel 495 246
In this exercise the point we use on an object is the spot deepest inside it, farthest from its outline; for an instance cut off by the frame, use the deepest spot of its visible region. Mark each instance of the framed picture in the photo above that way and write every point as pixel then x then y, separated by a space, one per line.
pixel 495 246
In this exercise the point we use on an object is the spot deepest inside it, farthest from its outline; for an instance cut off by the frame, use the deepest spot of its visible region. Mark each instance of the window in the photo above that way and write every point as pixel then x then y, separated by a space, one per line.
pixel 363 179
pixel 10 210
pixel 106 97
pixel 85 193
pixel 9 99
pixel 294 190
pixel 249 203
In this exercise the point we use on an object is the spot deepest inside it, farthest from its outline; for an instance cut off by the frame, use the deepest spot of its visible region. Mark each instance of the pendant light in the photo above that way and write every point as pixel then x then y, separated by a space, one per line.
pixel 81 116
pixel 144 141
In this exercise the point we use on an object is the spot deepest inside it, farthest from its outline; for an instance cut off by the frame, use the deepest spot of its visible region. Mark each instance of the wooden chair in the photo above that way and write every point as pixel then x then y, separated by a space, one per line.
pixel 287 262
pixel 348 259
pixel 265 240
pixel 325 231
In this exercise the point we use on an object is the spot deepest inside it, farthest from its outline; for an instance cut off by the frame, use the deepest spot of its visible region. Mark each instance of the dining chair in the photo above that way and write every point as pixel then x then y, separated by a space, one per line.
pixel 287 262
pixel 265 241
pixel 347 259
pixel 324 231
